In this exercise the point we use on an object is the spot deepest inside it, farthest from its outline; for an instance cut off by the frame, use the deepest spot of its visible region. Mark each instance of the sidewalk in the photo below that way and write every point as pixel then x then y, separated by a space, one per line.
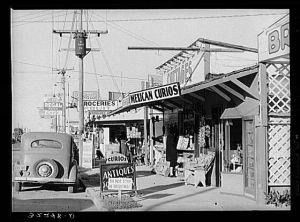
pixel 159 193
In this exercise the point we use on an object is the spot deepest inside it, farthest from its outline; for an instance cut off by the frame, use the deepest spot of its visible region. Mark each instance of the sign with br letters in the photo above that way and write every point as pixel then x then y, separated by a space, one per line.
pixel 274 42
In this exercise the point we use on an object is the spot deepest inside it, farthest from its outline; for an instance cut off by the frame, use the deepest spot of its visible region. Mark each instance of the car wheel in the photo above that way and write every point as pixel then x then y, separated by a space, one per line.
pixel 46 168
pixel 18 186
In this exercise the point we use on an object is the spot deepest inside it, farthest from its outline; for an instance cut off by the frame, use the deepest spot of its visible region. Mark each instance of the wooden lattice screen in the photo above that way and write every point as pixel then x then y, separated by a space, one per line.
pixel 278 78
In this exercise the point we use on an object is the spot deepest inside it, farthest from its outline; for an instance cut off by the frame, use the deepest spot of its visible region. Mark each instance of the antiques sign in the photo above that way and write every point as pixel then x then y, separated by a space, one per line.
pixel 120 170
pixel 120 183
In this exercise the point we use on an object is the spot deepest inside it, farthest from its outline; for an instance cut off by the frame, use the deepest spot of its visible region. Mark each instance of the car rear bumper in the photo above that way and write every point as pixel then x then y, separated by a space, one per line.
pixel 43 180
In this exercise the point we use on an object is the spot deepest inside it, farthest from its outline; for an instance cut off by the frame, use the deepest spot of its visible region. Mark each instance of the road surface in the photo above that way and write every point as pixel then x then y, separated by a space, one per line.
pixel 46 198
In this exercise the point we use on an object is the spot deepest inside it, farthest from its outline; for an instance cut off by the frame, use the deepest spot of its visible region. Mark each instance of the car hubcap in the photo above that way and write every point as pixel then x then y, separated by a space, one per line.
pixel 45 170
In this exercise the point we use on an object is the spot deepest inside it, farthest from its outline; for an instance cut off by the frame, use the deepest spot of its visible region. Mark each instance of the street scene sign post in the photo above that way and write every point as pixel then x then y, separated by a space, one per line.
pixel 120 184
pixel 122 173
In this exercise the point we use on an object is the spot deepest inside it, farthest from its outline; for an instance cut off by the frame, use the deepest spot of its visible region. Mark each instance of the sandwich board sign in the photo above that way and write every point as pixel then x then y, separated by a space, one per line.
pixel 117 174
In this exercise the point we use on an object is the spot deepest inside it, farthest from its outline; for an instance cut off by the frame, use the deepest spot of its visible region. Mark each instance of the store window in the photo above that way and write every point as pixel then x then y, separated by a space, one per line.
pixel 233 150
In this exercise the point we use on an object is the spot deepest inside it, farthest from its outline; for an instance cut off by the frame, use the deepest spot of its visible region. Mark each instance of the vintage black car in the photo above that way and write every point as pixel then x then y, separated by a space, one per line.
pixel 47 157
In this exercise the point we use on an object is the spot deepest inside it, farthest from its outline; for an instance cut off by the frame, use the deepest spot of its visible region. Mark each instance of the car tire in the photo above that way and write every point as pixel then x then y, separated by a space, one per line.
pixel 49 162
pixel 18 186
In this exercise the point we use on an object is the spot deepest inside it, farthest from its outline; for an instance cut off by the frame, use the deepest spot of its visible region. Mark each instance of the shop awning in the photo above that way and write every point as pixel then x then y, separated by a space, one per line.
pixel 231 113
pixel 236 85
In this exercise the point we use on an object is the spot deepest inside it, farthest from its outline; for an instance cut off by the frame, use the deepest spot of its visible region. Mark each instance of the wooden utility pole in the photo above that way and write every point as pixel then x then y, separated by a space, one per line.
pixel 81 51
pixel 63 82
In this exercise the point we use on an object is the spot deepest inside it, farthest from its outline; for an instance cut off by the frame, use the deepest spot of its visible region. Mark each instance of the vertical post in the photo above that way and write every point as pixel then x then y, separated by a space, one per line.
pixel 80 98
pixel 206 60
pixel 119 194
pixel 69 108
pixel 64 101
pixel 80 107
pixel 151 137
pixel 262 140
pixel 146 132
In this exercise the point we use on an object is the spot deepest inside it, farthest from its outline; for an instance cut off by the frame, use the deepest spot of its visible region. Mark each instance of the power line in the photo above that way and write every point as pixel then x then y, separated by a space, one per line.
pixel 173 19
pixel 91 73
pixel 132 34
pixel 106 62
pixel 29 22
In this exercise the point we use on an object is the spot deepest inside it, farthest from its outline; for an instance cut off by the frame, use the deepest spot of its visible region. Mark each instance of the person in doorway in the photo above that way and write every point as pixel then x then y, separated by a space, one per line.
pixel 124 148
pixel 171 152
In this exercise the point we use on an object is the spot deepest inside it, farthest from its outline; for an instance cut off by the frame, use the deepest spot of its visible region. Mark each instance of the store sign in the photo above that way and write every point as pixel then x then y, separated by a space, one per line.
pixel 119 170
pixel 53 105
pixel 120 183
pixel 126 101
pixel 52 112
pixel 87 154
pixel 274 42
pixel 100 105
pixel 155 94
pixel 87 95
pixel 116 158
pixel 51 98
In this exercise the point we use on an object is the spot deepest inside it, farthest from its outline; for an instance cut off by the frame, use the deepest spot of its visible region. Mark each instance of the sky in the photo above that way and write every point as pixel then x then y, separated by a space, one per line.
pixel 36 51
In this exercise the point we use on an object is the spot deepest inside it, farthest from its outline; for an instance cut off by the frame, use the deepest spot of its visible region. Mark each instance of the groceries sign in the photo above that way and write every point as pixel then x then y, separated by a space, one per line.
pixel 100 104
pixel 155 94
pixel 274 42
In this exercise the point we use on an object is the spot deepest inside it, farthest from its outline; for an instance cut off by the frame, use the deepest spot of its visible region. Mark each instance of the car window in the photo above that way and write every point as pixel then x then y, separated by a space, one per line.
pixel 46 144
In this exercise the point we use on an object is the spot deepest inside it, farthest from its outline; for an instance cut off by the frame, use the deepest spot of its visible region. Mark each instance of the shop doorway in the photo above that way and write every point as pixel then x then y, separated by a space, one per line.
pixel 249 144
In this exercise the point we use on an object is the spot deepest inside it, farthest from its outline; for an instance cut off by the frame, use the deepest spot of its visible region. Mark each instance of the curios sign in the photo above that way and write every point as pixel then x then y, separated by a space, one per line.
pixel 155 94
pixel 274 42
pixel 116 158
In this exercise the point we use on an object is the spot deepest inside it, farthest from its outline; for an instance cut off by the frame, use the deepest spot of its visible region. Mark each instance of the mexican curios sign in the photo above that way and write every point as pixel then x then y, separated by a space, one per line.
pixel 124 170
pixel 155 94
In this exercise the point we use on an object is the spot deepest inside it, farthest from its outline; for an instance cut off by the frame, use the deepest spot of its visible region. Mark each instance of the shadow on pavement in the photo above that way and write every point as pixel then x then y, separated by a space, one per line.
pixel 53 204
pixel 51 187
pixel 144 173
pixel 159 188
pixel 179 198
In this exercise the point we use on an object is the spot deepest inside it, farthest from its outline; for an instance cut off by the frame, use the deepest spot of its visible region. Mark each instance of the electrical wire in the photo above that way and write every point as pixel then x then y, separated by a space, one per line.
pixel 175 18
pixel 91 73
pixel 29 14
pixel 94 66
pixel 106 61
pixel 17 23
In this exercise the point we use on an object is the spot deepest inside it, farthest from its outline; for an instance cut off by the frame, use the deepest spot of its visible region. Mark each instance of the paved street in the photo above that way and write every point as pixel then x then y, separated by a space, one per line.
pixel 51 199
pixel 159 193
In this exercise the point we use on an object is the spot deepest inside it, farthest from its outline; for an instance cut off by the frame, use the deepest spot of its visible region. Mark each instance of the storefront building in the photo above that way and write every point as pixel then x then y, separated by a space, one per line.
pixel 240 119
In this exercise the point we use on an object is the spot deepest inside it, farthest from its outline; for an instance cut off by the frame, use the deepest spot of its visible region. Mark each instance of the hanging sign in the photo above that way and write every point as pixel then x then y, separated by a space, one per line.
pixel 274 42
pixel 155 94
pixel 87 95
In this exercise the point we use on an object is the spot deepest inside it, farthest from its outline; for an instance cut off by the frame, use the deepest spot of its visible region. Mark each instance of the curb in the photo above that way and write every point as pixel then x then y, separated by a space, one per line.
pixel 93 195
